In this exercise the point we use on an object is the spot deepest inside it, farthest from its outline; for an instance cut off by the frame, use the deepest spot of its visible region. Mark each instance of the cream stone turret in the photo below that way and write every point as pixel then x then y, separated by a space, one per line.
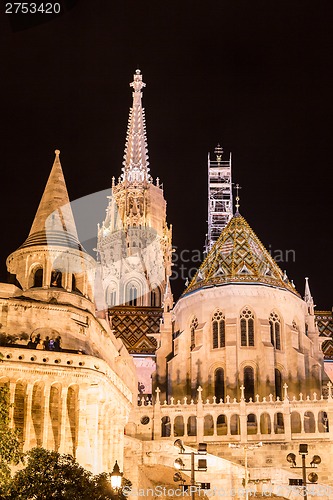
pixel 308 297
pixel 72 382
pixel 52 258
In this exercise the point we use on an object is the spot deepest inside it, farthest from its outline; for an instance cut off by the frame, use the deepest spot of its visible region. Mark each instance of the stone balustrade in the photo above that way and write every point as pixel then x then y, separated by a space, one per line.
pixel 232 420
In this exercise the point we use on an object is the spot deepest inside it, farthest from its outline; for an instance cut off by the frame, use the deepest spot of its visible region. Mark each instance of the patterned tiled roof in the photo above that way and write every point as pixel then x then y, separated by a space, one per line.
pixel 238 256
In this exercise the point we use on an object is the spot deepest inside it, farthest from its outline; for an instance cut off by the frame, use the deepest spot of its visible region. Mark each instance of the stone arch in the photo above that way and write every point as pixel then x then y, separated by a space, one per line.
pixel 234 425
pixel 155 296
pixel 36 275
pixel 278 423
pixel 222 425
pixel 165 427
pixel 178 426
pixel 208 425
pixel 323 421
pixel 295 422
pixel 247 322
pixel 192 425
pixel 265 423
pixel 309 422
pixel 252 425
pixel 111 298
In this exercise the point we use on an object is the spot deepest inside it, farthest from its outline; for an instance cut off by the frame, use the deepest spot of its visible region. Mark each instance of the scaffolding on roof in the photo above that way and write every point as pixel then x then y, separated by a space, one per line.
pixel 220 209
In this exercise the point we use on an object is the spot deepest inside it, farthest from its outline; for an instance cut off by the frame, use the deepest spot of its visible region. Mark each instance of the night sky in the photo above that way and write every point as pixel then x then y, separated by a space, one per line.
pixel 255 76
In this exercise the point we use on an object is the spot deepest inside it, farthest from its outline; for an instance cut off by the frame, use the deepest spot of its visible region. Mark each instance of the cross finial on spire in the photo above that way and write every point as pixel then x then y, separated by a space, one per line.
pixel 137 83
pixel 237 187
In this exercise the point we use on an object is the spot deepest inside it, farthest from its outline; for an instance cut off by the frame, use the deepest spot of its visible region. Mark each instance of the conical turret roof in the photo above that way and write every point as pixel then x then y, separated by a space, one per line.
pixel 54 222
pixel 238 256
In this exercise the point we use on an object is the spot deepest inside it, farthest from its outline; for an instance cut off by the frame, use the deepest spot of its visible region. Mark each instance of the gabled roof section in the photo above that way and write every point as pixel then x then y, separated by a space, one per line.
pixel 238 256
pixel 54 222
pixel 136 148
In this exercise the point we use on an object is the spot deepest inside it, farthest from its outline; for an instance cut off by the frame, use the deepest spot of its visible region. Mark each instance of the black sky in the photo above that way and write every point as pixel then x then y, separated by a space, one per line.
pixel 255 76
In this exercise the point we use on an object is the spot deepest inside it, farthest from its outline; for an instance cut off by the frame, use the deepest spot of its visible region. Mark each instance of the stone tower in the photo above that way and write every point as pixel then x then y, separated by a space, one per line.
pixel 71 381
pixel 134 246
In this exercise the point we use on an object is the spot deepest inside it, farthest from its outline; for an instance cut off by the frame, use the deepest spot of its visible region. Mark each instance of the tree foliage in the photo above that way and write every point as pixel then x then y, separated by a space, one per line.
pixel 10 447
pixel 50 475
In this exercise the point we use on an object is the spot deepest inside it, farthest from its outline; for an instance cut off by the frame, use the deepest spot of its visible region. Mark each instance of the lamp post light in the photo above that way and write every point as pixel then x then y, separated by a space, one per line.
pixel 116 478
pixel 246 447
pixel 201 465
pixel 312 477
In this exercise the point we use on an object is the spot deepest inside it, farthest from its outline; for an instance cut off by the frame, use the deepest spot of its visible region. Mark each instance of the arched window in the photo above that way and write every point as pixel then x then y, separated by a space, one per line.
pixel 275 329
pixel 193 327
pixel 219 384
pixel 111 296
pixel 178 426
pixel 249 383
pixel 166 427
pixel 218 330
pixel 132 295
pixel 208 425
pixel 192 426
pixel 38 278
pixel 56 278
pixel 247 327
pixel 221 425
pixel 278 383
pixel 155 297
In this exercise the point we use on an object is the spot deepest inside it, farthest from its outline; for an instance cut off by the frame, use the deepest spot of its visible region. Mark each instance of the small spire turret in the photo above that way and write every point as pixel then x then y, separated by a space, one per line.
pixel 308 297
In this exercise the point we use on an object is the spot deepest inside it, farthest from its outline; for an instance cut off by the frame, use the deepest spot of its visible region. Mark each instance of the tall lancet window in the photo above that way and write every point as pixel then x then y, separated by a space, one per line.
pixel 218 329
pixel 275 329
pixel 193 327
pixel 247 327
pixel 133 296
pixel 249 383
pixel 155 297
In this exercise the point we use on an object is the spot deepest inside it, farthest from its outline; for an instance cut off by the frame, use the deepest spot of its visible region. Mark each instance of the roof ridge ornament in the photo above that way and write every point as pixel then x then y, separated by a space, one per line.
pixel 237 205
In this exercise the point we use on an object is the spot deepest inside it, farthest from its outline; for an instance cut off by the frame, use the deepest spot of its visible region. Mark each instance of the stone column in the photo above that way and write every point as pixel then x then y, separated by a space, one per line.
pixel 46 416
pixel 27 417
pixel 63 421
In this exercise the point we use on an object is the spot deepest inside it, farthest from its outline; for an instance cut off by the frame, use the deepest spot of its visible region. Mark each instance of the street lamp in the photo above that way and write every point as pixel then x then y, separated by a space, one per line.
pixel 246 447
pixel 312 477
pixel 116 477
pixel 201 466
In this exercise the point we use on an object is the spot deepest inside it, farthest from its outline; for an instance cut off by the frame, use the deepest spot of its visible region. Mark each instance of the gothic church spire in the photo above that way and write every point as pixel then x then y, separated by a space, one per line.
pixel 136 149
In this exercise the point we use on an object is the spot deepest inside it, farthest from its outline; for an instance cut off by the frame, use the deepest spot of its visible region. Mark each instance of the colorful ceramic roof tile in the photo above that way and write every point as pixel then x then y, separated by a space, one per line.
pixel 238 256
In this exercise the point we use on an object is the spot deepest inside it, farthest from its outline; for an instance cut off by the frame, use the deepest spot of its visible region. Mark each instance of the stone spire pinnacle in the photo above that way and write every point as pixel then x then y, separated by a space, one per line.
pixel 54 222
pixel 136 149
pixel 308 297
